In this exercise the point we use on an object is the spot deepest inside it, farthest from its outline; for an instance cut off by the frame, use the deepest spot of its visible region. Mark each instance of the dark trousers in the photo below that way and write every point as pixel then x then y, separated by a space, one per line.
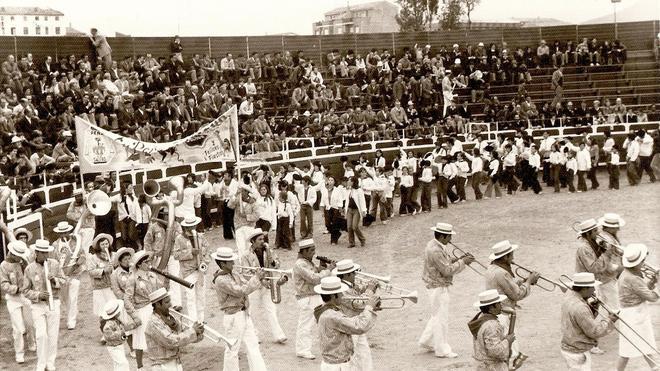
pixel 451 185
pixel 632 172
pixel 581 184
pixel 512 183
pixel 334 221
pixel 592 177
pixel 426 195
pixel 442 184
pixel 460 187
pixel 476 184
pixel 547 174
pixel 306 221
pixel 227 221
pixel 206 212
pixel 569 180
pixel 556 171
pixel 283 234
pixel 407 205
pixel 613 171
pixel 645 165
pixel 326 218
pixel 217 216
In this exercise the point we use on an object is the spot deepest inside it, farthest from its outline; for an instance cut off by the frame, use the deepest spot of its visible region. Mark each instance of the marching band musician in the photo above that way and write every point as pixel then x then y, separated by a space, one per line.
pixel 232 291
pixel 345 270
pixel 439 271
pixel 492 344
pixel 154 241
pixel 337 328
pixel 191 250
pixel 258 256
pixel 141 283
pixel 580 326
pixel 76 211
pixel 634 293
pixel 114 334
pixel 11 283
pixel 610 224
pixel 500 277
pixel 65 248
pixel 165 334
pixel 119 279
pixel 305 276
pixel 100 269
pixel 46 319
pixel 602 262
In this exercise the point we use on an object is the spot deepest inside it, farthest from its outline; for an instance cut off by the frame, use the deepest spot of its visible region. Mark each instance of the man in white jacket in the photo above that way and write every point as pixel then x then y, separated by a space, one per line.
pixel 584 165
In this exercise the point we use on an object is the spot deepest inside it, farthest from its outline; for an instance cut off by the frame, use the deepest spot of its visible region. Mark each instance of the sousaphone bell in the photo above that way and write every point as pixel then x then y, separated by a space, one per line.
pixel 98 203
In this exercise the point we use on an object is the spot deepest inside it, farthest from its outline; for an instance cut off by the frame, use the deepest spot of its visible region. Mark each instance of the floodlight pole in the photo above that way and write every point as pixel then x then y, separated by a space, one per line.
pixel 616 26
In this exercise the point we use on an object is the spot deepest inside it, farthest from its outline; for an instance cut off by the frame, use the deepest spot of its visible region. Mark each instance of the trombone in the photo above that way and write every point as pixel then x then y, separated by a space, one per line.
pixel 209 333
pixel 648 271
pixel 357 302
pixel 523 273
pixel 463 253
pixel 283 272
pixel 384 279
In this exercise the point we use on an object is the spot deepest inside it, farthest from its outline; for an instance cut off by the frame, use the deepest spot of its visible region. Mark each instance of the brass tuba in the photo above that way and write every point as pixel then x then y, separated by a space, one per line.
pixel 151 189
pixel 98 203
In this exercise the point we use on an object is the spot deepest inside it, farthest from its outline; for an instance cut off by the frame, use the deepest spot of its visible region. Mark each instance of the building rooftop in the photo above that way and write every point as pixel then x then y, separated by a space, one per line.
pixel 357 7
pixel 28 10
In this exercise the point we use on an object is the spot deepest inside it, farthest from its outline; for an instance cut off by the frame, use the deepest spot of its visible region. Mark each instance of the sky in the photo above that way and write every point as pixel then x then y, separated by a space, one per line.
pixel 268 17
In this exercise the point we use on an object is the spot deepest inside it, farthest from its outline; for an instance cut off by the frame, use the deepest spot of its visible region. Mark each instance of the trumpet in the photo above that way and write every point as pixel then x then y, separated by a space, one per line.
pixel 384 279
pixel 284 272
pixel 358 301
pixel 209 333
pixel 523 273
pixel 463 253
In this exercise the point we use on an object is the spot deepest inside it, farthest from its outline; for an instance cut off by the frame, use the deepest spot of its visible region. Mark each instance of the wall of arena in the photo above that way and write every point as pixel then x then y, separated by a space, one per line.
pixel 635 35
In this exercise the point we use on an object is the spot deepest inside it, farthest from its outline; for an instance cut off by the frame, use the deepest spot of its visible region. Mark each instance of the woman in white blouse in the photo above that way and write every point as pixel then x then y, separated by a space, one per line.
pixel 265 208
pixel 408 205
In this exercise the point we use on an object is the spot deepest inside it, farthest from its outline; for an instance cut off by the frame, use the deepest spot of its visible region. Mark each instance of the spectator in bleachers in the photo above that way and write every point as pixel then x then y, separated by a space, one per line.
pixel 543 55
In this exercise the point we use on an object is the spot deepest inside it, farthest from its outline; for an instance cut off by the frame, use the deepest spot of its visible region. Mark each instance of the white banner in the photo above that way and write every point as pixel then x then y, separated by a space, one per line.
pixel 101 150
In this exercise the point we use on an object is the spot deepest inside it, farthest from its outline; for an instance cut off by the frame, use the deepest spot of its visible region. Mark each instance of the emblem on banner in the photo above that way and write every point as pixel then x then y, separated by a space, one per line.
pixel 100 149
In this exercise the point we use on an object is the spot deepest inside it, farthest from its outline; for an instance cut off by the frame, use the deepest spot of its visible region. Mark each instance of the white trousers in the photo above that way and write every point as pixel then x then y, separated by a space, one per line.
pixel 577 361
pixel 195 297
pixel 175 289
pixel 47 328
pixel 71 290
pixel 99 298
pixel 306 323
pixel 239 326
pixel 173 365
pixel 118 355
pixel 435 335
pixel 16 306
pixel 361 359
pixel 346 366
pixel 260 299
pixel 609 293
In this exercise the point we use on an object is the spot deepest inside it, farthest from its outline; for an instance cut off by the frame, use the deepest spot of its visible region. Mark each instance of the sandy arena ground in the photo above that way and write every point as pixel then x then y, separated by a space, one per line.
pixel 540 224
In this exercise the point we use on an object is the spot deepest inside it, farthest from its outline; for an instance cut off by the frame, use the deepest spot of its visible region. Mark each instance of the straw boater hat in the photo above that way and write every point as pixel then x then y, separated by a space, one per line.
pixel 24 231
pixel 112 308
pixel 330 285
pixel 138 257
pixel 634 254
pixel 102 236
pixel 444 228
pixel 157 295
pixel 584 279
pixel 253 232
pixel 123 251
pixel 225 254
pixel 42 246
pixel 586 226
pixel 63 227
pixel 611 220
pixel 190 221
pixel 304 244
pixel 345 266
pixel 489 297
pixel 502 248
pixel 18 248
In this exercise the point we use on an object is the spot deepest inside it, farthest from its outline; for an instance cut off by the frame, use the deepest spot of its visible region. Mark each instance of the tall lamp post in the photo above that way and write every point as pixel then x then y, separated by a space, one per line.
pixel 616 28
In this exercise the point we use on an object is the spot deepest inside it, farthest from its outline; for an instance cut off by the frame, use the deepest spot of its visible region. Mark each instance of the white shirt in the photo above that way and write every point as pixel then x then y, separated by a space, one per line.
pixel 246 108
pixel 633 151
pixel 380 162
pixel 450 170
pixel 607 146
pixel 463 169
pixel 311 196
pixel 535 160
pixel 494 166
pixel 583 160
pixel 546 145
pixel 457 147
pixel 427 175
pixel 187 207
pixel 406 181
pixel 572 164
pixel 646 147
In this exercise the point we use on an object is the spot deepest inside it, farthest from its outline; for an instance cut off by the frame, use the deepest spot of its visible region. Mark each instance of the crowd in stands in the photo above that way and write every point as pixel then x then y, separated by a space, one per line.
pixel 352 98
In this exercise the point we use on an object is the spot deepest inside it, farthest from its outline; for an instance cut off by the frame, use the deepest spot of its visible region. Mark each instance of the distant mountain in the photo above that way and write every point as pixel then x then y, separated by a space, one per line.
pixel 627 11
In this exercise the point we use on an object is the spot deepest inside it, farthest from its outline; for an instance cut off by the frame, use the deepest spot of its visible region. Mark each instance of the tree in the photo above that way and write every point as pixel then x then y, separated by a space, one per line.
pixel 469 6
pixel 451 14
pixel 416 15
